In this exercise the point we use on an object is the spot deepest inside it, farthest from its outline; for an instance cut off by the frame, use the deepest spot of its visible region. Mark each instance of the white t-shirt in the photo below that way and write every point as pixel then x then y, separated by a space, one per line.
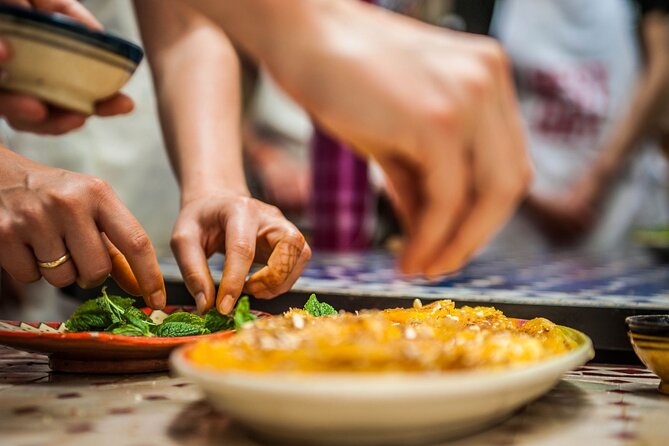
pixel 576 64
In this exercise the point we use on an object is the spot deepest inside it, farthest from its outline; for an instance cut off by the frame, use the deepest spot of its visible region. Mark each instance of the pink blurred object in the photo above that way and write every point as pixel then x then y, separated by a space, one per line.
pixel 342 201
pixel 341 207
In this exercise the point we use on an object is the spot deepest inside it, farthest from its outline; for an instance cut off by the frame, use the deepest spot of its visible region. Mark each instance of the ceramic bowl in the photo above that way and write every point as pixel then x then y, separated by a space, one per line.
pixel 376 408
pixel 650 339
pixel 63 62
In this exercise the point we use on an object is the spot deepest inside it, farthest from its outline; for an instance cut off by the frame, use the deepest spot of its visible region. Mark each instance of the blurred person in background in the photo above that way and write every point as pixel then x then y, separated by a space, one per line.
pixel 592 78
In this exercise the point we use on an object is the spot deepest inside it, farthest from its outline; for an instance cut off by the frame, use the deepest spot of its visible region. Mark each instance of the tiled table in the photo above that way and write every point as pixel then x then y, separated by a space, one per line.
pixel 592 293
pixel 595 405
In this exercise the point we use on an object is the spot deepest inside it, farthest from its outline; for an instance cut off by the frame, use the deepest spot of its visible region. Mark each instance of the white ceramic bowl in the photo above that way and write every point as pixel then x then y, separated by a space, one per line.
pixel 61 61
pixel 381 409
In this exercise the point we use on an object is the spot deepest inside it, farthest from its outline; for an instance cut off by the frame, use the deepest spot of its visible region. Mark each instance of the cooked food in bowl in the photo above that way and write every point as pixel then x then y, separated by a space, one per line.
pixel 432 338
pixel 399 376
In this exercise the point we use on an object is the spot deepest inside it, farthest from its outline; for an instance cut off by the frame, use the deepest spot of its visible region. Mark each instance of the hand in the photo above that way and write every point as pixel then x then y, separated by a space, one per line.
pixel 30 114
pixel 71 8
pixel 435 108
pixel 285 179
pixel 47 212
pixel 564 219
pixel 246 230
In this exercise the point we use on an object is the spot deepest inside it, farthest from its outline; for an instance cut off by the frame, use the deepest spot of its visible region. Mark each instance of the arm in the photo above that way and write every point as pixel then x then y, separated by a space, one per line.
pixel 436 109
pixel 196 75
pixel 26 113
pixel 640 118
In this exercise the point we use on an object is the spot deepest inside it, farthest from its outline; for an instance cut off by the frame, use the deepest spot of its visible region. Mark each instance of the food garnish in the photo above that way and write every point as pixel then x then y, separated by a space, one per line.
pixel 117 315
pixel 317 309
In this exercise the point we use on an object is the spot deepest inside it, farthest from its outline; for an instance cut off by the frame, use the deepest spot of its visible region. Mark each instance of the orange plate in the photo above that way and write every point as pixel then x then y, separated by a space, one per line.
pixel 97 352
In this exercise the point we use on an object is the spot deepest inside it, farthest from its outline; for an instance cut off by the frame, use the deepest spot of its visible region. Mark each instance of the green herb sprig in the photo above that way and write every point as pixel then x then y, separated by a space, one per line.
pixel 318 309
pixel 117 315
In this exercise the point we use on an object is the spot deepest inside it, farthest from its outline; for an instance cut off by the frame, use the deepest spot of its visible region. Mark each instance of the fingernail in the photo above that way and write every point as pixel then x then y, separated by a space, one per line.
pixel 226 304
pixel 200 302
pixel 157 300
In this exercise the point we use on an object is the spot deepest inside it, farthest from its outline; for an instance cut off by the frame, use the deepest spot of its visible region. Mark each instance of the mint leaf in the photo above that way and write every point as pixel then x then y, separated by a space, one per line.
pixel 117 315
pixel 188 318
pixel 87 321
pixel 178 329
pixel 318 309
pixel 242 313
pixel 128 330
pixel 138 319
pixel 215 321
pixel 99 313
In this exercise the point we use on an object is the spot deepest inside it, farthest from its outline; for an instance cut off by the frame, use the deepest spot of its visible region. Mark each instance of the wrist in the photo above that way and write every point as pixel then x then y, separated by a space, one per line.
pixel 205 191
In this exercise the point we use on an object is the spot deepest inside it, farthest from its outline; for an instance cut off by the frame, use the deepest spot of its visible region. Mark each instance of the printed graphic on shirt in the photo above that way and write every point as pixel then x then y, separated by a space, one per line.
pixel 569 103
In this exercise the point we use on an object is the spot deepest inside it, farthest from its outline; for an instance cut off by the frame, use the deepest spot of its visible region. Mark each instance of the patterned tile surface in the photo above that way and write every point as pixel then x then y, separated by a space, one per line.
pixel 594 405
pixel 631 280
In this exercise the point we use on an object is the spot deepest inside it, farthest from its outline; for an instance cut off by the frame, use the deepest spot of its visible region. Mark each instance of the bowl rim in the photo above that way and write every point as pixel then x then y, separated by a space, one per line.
pixel 67 26
pixel 646 324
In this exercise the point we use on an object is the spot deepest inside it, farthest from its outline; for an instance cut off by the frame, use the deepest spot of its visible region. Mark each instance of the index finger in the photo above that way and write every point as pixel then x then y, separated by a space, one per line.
pixel 288 247
pixel 125 232
pixel 121 271
pixel 444 199
pixel 240 248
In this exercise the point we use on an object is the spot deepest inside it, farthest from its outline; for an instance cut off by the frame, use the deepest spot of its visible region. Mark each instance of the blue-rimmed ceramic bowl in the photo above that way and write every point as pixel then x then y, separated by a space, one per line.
pixel 61 61
pixel 649 335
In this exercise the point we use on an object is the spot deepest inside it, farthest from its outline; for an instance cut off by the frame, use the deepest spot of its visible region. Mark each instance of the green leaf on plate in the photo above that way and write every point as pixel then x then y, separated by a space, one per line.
pixel 178 329
pixel 318 309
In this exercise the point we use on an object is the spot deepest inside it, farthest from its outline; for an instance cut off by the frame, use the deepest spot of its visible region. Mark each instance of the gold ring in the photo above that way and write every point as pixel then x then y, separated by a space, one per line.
pixel 55 263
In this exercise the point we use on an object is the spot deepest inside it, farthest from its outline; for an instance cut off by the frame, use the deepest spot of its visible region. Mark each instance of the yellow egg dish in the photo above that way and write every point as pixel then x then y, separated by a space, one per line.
pixel 435 337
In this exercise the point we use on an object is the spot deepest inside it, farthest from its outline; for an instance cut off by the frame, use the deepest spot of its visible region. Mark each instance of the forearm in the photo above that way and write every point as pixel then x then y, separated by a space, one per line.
pixel 196 76
pixel 297 44
pixel 639 119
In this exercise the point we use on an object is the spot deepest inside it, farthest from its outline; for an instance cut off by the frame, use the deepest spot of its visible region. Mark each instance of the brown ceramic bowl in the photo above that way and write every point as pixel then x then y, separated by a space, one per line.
pixel 649 335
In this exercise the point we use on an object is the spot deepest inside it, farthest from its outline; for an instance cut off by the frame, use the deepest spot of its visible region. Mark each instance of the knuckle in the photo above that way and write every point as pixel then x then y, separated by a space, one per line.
pixel 29 214
pixel 442 115
pixel 178 239
pixel 243 249
pixel 139 243
pixel 479 83
pixel 98 186
pixel 60 280
pixel 306 252
pixel 275 211
pixel 25 275
pixel 493 56
pixel 96 274
pixel 294 237
pixel 191 276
